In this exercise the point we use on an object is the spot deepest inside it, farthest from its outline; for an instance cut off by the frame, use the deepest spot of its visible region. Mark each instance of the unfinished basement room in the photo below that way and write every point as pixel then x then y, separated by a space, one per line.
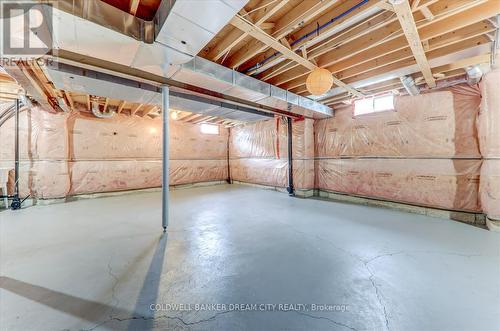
pixel 250 165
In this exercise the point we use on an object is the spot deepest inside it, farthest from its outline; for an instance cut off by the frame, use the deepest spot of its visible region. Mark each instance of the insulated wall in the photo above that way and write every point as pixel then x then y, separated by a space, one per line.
pixel 489 137
pixel 77 153
pixel 426 152
pixel 258 153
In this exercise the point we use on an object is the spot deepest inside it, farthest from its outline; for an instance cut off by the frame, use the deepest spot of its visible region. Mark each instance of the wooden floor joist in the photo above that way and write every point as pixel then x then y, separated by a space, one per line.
pixel 405 17
pixel 285 50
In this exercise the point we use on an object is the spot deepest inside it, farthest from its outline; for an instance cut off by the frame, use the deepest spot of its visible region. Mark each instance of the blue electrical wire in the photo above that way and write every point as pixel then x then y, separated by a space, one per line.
pixel 307 35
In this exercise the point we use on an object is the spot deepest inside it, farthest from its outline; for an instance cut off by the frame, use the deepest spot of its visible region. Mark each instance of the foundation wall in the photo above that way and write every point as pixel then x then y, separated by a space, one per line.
pixel 426 152
pixel 258 153
pixel 69 154
pixel 439 150
pixel 489 138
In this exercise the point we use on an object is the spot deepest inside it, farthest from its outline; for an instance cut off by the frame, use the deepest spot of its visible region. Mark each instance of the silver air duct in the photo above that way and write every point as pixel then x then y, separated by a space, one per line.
pixel 474 74
pixel 127 41
pixel 98 113
pixel 25 100
pixel 409 85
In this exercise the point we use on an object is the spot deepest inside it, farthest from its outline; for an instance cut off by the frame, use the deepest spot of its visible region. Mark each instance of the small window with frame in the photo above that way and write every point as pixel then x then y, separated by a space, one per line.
pixel 374 104
pixel 206 128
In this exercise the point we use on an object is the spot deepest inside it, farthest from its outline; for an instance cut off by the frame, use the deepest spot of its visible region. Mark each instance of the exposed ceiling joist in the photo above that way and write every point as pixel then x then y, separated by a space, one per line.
pixel 262 36
pixel 303 37
pixel 267 9
pixel 438 27
pixel 302 13
pixel 427 13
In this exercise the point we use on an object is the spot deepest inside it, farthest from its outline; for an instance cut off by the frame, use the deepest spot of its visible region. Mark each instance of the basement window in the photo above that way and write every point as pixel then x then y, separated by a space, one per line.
pixel 374 104
pixel 209 128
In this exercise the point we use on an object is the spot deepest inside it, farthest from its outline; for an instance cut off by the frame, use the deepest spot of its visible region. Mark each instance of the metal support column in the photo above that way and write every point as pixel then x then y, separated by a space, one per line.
pixel 16 201
pixel 165 174
pixel 290 189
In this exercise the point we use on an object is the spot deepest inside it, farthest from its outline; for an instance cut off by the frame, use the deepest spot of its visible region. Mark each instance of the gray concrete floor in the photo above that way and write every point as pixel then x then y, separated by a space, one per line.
pixel 100 264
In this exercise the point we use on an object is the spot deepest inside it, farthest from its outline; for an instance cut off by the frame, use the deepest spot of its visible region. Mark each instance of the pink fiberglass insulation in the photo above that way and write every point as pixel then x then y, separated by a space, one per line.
pixel 258 153
pixel 490 188
pixel 489 137
pixel 425 152
pixel 66 154
pixel 441 183
pixel 439 124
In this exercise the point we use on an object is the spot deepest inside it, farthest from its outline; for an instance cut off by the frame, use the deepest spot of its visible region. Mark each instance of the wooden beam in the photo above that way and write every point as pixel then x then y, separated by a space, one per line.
pixel 70 99
pixel 235 36
pixel 314 51
pixel 267 26
pixel 134 5
pixel 385 6
pixel 359 73
pixel 89 105
pixel 105 107
pixel 479 59
pixel 262 36
pixel 448 70
pixel 427 13
pixel 300 14
pixel 121 106
pixel 5 77
pixel 320 36
pixel 347 56
pixel 405 17
pixel 134 110
pixel 202 119
pixel 382 38
pixel 150 109
pixel 444 41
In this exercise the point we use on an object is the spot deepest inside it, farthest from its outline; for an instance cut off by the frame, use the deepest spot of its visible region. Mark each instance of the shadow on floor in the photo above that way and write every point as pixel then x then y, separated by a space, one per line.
pixel 88 310
pixel 149 291
pixel 93 311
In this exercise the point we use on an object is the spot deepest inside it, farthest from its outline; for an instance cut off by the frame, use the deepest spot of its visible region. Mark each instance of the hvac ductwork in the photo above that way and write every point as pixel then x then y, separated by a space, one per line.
pixel 474 74
pixel 102 32
pixel 98 113
pixel 66 77
pixel 409 85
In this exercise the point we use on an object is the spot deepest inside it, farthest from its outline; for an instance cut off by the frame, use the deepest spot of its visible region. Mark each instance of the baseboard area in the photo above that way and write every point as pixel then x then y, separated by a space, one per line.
pixel 476 219
pixel 301 193
pixel 36 201
pixel 493 225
